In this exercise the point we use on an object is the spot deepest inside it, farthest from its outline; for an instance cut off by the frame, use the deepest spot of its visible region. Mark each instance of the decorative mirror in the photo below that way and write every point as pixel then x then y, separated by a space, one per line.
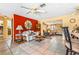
pixel 28 24
pixel 72 20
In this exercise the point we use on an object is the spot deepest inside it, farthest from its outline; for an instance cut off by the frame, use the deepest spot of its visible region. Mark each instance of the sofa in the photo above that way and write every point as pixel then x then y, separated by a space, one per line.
pixel 30 35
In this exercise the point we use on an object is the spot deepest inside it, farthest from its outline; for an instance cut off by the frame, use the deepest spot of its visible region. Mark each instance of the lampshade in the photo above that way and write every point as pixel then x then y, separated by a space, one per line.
pixel 19 27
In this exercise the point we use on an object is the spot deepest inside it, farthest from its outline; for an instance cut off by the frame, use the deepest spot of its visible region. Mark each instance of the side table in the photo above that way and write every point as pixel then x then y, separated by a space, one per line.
pixel 19 38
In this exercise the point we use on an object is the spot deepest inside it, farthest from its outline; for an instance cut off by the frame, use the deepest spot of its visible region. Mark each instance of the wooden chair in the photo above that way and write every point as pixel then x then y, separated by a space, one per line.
pixel 71 47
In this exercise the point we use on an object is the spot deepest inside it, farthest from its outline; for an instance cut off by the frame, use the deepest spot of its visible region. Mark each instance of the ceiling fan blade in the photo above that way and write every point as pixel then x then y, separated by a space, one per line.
pixel 40 6
pixel 28 12
pixel 43 5
pixel 25 7
pixel 41 11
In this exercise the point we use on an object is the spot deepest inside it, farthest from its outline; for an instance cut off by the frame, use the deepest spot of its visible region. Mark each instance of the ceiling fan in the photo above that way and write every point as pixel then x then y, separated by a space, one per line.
pixel 35 10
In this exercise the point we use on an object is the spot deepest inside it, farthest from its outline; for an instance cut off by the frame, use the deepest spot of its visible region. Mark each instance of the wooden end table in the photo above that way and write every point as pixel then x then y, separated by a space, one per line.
pixel 20 39
pixel 39 38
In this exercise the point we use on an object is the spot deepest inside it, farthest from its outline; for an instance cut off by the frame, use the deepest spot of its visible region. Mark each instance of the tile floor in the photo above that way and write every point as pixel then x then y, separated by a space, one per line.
pixel 53 46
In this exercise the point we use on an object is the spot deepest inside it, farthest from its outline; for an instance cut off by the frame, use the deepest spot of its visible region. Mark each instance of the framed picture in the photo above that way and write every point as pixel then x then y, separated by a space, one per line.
pixel 28 24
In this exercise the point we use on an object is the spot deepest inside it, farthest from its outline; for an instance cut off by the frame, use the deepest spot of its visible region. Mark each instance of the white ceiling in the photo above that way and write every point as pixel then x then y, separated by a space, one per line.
pixel 52 9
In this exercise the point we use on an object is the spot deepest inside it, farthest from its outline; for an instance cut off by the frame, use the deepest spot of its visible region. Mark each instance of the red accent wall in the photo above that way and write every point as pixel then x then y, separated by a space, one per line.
pixel 20 20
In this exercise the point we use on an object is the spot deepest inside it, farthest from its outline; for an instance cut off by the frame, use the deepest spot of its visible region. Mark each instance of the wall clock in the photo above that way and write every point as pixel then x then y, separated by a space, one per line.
pixel 72 20
pixel 28 24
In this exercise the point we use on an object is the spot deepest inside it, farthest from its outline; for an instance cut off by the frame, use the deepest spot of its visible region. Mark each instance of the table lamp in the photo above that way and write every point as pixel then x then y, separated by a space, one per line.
pixel 19 28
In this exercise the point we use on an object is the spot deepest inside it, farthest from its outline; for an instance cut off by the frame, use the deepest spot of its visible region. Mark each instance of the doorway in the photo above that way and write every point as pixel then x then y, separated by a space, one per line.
pixel 1 29
pixel 8 32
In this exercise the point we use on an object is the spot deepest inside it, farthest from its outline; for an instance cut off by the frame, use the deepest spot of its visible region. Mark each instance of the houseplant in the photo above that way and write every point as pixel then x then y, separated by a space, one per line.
pixel 77 29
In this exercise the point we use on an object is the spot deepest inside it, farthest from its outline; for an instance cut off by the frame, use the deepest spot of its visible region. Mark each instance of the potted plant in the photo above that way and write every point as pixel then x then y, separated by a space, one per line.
pixel 77 29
